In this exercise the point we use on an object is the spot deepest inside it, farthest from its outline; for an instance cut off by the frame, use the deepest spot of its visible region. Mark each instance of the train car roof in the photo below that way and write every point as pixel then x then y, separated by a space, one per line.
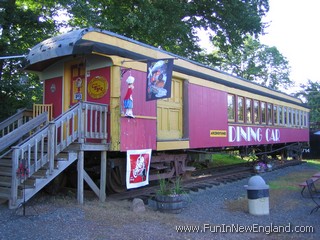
pixel 79 42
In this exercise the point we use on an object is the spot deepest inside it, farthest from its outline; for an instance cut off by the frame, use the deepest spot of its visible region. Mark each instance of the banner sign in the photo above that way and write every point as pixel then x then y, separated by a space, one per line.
pixel 159 78
pixel 138 165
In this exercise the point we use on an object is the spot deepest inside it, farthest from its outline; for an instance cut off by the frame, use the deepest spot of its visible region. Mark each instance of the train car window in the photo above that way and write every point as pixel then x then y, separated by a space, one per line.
pixel 263 113
pixel 269 110
pixel 298 118
pixel 285 116
pixel 248 110
pixel 256 111
pixel 305 116
pixel 240 112
pixel 289 117
pixel 294 117
pixel 275 115
pixel 231 107
pixel 280 115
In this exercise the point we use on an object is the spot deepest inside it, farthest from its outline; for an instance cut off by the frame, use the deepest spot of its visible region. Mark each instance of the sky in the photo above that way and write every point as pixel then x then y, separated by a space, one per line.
pixel 294 31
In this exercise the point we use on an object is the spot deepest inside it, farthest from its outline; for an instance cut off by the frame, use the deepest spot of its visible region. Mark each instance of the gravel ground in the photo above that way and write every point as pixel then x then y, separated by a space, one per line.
pixel 216 208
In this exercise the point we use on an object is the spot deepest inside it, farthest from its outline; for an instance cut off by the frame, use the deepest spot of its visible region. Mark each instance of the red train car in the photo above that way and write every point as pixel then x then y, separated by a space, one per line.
pixel 178 105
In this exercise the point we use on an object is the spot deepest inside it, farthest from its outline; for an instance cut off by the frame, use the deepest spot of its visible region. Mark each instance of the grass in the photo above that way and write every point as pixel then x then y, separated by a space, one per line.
pixel 315 163
pixel 217 160
pixel 226 159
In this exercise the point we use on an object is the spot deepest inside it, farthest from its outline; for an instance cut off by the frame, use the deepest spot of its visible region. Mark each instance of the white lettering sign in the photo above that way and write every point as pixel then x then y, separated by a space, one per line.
pixel 251 134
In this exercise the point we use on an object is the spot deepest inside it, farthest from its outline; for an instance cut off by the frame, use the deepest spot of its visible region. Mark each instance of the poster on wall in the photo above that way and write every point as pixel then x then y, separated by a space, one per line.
pixel 138 165
pixel 159 78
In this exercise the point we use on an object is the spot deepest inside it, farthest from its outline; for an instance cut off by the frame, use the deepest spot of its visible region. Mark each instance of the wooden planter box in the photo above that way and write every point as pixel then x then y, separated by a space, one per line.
pixel 170 203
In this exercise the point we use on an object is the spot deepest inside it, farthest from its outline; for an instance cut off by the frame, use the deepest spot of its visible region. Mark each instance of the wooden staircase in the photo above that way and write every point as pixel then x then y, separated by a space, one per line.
pixel 37 151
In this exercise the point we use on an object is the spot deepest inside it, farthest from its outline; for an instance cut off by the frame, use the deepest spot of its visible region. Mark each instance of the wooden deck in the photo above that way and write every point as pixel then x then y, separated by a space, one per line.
pixel 37 151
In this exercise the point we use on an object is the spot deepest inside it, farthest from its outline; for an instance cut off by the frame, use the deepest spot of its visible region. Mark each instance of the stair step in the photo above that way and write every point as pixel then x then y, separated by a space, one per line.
pixel 41 173
pixel 5 162
pixel 5 171
pixel 63 156
pixel 5 181
pixel 55 165
pixel 8 156
pixel 29 183
pixel 6 193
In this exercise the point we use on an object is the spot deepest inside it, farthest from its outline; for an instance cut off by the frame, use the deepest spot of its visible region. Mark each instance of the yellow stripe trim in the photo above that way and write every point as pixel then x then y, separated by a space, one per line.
pixel 171 145
pixel 142 117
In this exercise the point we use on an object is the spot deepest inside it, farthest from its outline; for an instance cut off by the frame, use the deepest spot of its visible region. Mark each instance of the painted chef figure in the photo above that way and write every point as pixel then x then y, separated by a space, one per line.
pixel 128 100
pixel 140 169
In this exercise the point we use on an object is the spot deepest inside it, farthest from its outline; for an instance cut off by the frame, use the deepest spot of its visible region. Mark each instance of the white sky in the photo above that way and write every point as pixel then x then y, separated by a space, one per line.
pixel 294 31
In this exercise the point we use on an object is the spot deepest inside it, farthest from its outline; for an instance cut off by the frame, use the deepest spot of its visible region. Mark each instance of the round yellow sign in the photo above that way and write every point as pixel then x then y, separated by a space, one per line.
pixel 97 87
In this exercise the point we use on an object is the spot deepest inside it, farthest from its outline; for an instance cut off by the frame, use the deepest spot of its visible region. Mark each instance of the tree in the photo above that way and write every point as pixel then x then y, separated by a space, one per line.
pixel 23 24
pixel 172 24
pixel 255 62
pixel 311 94
pixel 167 24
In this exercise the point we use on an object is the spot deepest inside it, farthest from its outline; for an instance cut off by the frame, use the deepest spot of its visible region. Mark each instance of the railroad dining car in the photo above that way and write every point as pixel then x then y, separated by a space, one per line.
pixel 191 108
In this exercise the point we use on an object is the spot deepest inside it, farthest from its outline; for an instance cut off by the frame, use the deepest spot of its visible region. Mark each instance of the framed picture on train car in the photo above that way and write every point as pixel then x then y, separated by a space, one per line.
pixel 138 165
pixel 159 78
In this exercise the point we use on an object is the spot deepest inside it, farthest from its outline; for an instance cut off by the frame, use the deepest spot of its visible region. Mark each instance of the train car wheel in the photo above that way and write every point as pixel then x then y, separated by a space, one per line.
pixel 116 178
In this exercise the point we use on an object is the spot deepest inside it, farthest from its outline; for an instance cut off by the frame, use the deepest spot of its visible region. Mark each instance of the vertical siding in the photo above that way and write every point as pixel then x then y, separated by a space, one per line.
pixel 207 111
pixel 105 73
pixel 140 106
pixel 54 97
pixel 137 134
pixel 140 132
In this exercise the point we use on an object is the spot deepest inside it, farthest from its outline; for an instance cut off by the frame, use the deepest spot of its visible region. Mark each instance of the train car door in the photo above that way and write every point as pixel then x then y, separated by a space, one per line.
pixel 74 88
pixel 170 112
pixel 78 85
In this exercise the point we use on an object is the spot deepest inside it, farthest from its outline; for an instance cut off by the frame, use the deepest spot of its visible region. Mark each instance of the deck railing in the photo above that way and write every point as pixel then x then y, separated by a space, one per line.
pixel 25 130
pixel 83 121
pixel 15 121
pixel 41 108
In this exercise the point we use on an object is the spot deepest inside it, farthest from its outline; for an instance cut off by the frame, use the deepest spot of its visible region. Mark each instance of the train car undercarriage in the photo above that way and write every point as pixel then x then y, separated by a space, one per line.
pixel 170 164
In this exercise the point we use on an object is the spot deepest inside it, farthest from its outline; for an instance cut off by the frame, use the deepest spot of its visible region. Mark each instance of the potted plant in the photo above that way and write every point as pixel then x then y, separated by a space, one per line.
pixel 170 197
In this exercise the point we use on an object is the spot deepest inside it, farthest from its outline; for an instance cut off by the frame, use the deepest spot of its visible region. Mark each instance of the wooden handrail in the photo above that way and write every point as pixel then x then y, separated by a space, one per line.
pixel 20 132
pixel 15 121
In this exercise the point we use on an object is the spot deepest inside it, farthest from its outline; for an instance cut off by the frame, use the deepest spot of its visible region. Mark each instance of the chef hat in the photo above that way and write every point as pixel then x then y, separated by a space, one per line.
pixel 130 80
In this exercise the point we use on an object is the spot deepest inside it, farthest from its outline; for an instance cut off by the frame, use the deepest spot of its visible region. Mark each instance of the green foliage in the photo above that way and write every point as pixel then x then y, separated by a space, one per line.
pixel 167 188
pixel 164 187
pixel 225 159
pixel 217 160
pixel 177 186
pixel 172 24
pixel 167 24
pixel 24 23
pixel 255 62
pixel 310 93
pixel 315 163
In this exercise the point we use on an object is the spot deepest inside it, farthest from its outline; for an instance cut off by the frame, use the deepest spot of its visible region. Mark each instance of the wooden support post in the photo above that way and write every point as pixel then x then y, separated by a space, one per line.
pixel 51 145
pixel 80 166
pixel 103 176
pixel 14 179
